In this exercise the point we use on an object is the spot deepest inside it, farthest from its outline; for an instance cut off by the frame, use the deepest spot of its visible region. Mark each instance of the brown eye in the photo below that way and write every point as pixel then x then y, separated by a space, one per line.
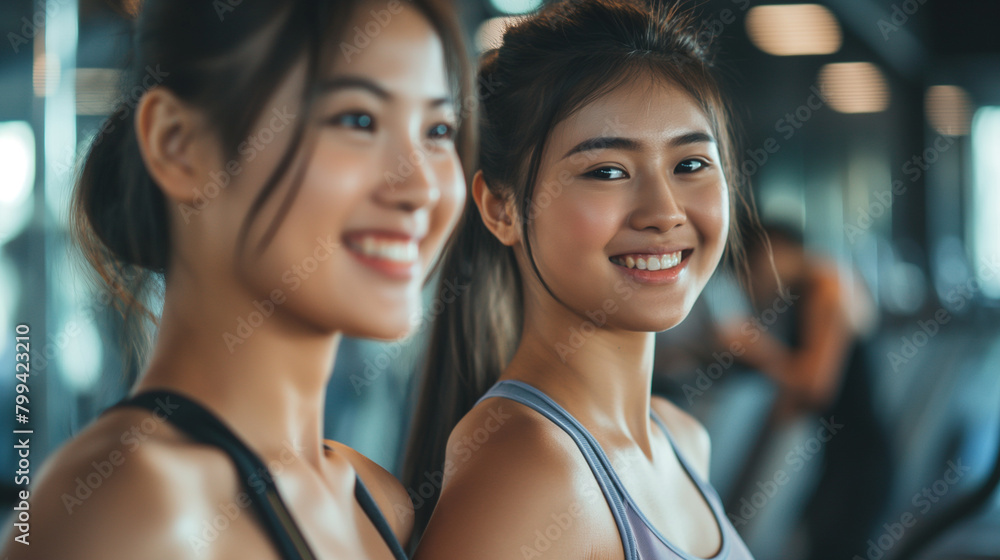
pixel 608 173
pixel 690 166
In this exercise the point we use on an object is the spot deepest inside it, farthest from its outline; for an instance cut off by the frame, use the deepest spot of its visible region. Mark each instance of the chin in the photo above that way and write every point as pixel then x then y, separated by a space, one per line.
pixel 384 330
pixel 659 323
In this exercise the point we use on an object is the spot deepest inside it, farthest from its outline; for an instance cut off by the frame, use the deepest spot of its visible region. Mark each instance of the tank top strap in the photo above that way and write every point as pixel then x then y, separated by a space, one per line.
pixel 705 487
pixel 609 483
pixel 201 425
pixel 371 509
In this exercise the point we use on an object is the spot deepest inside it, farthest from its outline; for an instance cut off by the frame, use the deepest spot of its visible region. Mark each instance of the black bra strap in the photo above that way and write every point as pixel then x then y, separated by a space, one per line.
pixel 201 425
pixel 375 515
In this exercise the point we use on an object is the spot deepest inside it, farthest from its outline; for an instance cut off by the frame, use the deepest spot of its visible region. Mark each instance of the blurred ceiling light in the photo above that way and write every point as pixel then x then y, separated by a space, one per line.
pixel 17 178
pixel 490 32
pixel 793 29
pixel 854 87
pixel 96 90
pixel 984 226
pixel 516 6
pixel 81 357
pixel 949 110
pixel 17 162
pixel 45 74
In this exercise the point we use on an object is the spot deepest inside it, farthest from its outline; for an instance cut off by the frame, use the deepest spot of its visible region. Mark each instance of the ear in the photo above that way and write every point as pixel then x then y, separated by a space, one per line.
pixel 172 142
pixel 498 213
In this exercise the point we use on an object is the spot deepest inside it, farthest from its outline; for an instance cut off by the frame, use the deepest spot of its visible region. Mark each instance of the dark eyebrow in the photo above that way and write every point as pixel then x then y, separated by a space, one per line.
pixel 615 142
pixel 358 82
pixel 354 82
pixel 697 137
pixel 604 143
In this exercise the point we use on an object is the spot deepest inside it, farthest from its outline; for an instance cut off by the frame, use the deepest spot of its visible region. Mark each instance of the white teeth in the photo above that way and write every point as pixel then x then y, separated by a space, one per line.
pixel 661 262
pixel 390 250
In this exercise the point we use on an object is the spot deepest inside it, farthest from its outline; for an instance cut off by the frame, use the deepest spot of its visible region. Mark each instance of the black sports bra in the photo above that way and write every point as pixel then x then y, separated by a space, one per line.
pixel 203 426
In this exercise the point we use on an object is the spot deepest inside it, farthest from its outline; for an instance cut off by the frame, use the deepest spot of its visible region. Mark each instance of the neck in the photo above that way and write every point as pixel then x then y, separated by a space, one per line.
pixel 601 375
pixel 265 379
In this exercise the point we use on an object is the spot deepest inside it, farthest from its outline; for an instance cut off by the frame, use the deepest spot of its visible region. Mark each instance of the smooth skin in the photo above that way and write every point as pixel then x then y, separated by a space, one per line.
pixel 163 499
pixel 500 494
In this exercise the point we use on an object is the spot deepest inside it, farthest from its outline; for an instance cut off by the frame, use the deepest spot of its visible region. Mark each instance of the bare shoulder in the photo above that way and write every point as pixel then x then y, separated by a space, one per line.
pixel 390 496
pixel 689 434
pixel 516 485
pixel 119 490
pixel 825 278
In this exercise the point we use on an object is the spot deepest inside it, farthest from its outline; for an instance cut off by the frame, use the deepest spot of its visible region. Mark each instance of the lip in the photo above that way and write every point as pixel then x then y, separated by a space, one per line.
pixel 391 269
pixel 668 276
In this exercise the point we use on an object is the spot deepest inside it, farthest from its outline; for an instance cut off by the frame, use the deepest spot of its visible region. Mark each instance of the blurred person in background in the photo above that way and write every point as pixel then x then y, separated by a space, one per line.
pixel 809 336
pixel 317 232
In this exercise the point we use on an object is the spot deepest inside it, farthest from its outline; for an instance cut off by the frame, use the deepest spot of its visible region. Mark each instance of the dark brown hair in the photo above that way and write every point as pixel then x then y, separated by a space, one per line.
pixel 548 66
pixel 225 59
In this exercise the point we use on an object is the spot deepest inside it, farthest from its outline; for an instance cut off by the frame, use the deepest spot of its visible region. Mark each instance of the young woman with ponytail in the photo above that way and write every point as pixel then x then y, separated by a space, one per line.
pixel 262 180
pixel 601 208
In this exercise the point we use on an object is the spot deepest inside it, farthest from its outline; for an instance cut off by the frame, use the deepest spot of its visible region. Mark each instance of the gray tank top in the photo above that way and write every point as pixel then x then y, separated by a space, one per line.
pixel 640 539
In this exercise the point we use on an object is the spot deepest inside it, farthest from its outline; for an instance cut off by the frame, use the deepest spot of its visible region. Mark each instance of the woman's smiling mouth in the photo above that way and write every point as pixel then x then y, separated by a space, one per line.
pixel 395 255
pixel 653 268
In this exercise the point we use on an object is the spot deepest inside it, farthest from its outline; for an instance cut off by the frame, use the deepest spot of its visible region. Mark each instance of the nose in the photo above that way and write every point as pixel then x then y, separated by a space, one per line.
pixel 409 182
pixel 657 207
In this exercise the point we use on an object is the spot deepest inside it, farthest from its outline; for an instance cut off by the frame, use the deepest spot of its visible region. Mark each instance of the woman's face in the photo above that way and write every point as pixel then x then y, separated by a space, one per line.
pixel 380 189
pixel 631 210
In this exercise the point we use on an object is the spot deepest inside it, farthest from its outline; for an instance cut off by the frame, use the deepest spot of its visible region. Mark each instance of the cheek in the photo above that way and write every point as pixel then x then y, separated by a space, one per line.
pixel 575 224
pixel 708 210
pixel 450 182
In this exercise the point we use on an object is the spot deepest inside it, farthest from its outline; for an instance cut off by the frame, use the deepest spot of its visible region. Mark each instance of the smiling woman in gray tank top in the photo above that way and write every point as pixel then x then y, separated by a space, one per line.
pixel 601 208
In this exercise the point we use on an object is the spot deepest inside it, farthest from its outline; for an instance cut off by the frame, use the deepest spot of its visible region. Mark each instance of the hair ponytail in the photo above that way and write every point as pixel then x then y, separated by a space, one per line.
pixel 119 221
pixel 471 342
